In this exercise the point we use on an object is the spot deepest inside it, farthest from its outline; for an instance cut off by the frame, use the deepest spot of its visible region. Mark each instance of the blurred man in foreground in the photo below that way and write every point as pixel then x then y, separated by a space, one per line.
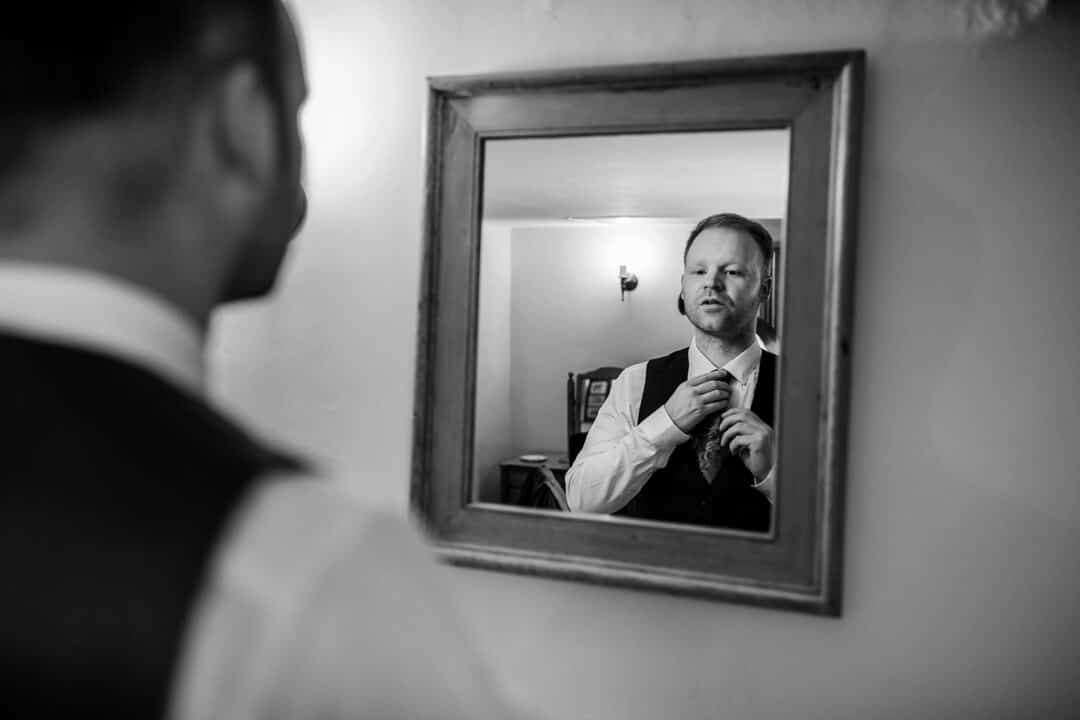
pixel 159 560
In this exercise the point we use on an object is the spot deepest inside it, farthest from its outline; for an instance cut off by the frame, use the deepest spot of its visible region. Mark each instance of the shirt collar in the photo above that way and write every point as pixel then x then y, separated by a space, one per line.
pixel 101 314
pixel 741 366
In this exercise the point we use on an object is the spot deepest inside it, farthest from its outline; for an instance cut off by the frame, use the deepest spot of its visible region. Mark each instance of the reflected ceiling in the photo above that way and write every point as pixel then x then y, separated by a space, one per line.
pixel 673 176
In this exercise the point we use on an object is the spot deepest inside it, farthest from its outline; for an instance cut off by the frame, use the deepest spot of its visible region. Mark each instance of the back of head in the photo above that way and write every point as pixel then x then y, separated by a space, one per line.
pixel 86 60
pixel 157 142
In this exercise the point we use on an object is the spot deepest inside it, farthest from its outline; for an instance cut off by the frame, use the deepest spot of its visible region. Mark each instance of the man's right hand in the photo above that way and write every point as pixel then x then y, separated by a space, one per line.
pixel 698 398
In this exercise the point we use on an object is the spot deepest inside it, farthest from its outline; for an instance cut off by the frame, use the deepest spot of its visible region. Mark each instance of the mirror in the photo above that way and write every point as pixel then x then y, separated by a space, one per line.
pixel 565 219
pixel 557 272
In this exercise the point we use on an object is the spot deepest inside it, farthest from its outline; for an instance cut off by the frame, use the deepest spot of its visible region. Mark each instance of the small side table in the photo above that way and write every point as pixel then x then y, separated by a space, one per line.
pixel 514 471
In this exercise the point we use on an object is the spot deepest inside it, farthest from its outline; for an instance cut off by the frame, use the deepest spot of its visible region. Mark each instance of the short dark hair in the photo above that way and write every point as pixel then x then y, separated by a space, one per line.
pixel 755 230
pixel 59 65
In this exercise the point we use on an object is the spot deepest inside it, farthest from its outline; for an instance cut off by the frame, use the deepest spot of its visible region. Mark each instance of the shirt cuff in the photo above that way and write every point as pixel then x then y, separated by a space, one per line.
pixel 660 430
pixel 767 485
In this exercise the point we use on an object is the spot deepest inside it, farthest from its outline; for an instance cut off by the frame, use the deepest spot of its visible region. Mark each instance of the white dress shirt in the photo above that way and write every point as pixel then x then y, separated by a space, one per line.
pixel 620 454
pixel 314 606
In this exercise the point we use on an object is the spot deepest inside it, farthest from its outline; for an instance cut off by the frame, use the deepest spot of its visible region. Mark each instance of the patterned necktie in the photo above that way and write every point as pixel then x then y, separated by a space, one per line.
pixel 710 453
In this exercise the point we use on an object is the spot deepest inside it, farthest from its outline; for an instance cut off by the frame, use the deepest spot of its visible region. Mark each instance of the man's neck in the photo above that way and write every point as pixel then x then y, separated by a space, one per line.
pixel 721 351
pixel 166 250
pixel 140 259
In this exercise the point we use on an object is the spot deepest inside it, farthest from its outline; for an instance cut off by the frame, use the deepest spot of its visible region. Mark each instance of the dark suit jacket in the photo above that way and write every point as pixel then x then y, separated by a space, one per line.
pixel 114 489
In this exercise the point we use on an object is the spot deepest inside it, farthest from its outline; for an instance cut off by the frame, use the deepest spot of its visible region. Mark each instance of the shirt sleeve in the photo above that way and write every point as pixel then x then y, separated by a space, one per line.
pixel 317 607
pixel 620 454
pixel 767 485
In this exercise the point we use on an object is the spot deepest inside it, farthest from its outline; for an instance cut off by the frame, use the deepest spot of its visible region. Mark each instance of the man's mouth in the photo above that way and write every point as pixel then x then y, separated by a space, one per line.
pixel 712 302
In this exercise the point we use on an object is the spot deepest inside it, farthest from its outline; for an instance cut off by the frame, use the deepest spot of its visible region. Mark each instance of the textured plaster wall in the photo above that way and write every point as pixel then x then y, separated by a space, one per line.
pixel 962 572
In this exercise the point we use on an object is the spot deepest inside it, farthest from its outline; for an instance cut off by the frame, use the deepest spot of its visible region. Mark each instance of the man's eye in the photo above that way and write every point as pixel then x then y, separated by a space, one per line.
pixel 736 273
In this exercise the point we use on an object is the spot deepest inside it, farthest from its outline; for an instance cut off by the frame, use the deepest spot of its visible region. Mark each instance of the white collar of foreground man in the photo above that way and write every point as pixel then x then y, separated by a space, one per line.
pixel 102 314
pixel 742 366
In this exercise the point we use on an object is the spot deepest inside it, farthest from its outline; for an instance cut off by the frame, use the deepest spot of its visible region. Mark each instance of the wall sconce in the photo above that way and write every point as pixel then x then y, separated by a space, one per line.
pixel 627 282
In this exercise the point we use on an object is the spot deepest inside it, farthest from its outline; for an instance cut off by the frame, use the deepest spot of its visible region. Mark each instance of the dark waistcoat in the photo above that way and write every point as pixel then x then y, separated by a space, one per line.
pixel 679 492
pixel 115 487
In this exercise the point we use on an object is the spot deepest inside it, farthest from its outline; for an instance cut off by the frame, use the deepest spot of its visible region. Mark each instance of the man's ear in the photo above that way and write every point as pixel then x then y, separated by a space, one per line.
pixel 766 288
pixel 244 125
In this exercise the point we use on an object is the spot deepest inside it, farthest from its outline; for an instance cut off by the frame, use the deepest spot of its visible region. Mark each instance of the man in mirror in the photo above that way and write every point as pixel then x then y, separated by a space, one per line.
pixel 689 437
pixel 158 559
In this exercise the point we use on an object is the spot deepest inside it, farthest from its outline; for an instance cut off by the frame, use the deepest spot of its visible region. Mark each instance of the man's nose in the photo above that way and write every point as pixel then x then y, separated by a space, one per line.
pixel 714 278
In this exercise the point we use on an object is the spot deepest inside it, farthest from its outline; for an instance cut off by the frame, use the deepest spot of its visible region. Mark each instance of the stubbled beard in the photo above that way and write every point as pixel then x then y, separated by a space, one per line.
pixel 258 265
pixel 730 328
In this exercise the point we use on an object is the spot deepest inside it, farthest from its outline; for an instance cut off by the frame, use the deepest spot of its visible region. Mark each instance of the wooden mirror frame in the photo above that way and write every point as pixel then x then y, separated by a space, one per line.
pixel 818 98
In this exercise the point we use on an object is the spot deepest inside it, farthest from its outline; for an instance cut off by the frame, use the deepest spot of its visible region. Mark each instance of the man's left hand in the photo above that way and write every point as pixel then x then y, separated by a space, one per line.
pixel 748 437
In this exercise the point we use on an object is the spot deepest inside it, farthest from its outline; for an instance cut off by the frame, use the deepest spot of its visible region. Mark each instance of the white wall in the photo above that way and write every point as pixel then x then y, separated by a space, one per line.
pixel 567 316
pixel 963 499
pixel 494 423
